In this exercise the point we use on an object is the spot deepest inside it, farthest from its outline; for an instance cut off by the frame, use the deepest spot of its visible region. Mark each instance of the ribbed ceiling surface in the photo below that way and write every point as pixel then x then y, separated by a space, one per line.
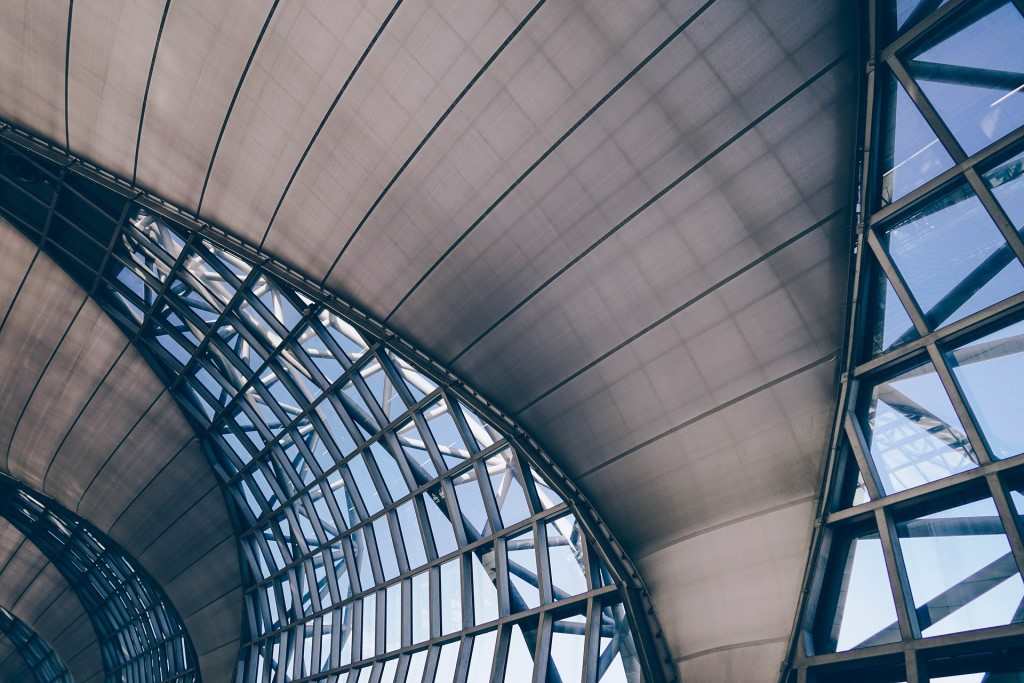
pixel 84 420
pixel 623 221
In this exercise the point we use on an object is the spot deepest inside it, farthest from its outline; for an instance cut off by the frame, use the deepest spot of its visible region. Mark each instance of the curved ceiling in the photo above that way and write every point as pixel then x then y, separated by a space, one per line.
pixel 79 407
pixel 34 590
pixel 624 222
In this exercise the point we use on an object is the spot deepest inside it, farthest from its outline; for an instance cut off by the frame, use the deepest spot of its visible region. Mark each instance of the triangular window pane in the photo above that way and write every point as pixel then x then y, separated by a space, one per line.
pixel 975 77
pixel 912 154
pixel 953 258
pixel 913 433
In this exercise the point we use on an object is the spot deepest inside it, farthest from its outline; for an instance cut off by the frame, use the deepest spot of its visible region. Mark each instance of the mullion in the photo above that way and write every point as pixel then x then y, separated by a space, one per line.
pixel 430 566
pixel 899 285
pixel 434 644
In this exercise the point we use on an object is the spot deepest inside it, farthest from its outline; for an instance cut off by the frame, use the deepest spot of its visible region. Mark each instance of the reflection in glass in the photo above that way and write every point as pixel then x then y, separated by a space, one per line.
pixel 893 326
pixel 912 431
pixel 953 258
pixel 567 648
pixel 982 368
pixel 567 577
pixel 975 77
pixel 961 571
pixel 911 153
pixel 1007 183
pixel 522 565
pixel 859 589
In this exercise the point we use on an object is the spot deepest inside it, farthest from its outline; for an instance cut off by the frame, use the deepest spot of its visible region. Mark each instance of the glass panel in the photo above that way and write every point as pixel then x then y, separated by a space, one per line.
pixel 508 486
pixel 417 663
pixel 446 662
pixel 565 553
pixel 420 607
pixel 982 677
pixel 1008 187
pixel 961 571
pixel 519 665
pixel 913 433
pixel 892 324
pixel 618 646
pixel 522 560
pixel 909 12
pixel 953 257
pixel 471 503
pixel 858 585
pixel 974 78
pixel 567 648
pixel 394 617
pixel 912 154
pixel 411 536
pixel 440 524
pixel 485 595
pixel 981 368
pixel 451 598
pixel 483 654
pixel 446 435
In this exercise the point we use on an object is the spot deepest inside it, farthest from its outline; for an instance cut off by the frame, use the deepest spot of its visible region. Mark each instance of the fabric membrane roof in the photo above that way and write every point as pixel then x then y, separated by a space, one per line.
pixel 624 223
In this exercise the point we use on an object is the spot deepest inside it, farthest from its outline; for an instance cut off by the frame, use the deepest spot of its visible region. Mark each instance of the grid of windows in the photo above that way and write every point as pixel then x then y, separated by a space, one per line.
pixel 142 637
pixel 389 526
pixel 394 525
pixel 43 662
pixel 917 563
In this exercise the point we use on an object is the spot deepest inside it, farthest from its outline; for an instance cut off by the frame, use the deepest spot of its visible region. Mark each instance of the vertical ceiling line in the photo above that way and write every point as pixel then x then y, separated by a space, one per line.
pixel 51 209
pixel 39 380
pixel 89 294
pixel 827 358
pixel 327 115
pixel 145 95
pixel 234 99
pixel 685 305
pixel 426 138
pixel 651 201
pixel 550 150
pixel 67 72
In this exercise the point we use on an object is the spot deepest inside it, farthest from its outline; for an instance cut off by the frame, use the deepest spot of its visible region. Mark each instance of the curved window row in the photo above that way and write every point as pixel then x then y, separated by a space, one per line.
pixel 392 530
pixel 38 657
pixel 390 527
pixel 917 571
pixel 142 638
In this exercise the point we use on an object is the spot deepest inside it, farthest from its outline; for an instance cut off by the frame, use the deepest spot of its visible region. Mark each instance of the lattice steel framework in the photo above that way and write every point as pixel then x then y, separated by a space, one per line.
pixel 916 562
pixel 394 525
pixel 142 637
pixel 36 654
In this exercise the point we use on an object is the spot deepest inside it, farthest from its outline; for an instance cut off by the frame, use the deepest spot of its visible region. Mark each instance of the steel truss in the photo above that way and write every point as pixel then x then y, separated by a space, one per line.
pixel 142 637
pixel 367 481
pixel 946 462
pixel 34 652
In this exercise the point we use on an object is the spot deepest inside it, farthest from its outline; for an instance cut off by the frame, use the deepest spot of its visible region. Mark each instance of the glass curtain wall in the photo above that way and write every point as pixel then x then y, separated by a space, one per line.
pixel 915 572
pixel 393 526
pixel 142 638
pixel 35 653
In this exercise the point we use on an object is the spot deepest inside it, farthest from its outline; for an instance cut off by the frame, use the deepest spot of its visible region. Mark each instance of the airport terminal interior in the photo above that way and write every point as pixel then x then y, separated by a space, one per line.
pixel 511 341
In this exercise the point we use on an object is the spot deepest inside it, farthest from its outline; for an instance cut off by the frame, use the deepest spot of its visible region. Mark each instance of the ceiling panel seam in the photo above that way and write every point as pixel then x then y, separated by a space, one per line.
pixel 678 309
pixel 650 202
pixel 234 99
pixel 149 81
pixel 711 411
pixel 330 110
pixel 426 138
pixel 548 152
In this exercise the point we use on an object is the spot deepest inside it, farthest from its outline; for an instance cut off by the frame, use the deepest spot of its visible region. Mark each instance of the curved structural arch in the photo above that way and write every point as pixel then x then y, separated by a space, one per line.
pixel 394 521
pixel 34 655
pixel 142 637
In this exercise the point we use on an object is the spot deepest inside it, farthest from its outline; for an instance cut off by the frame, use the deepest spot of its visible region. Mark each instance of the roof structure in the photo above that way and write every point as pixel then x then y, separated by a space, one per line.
pixel 402 336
